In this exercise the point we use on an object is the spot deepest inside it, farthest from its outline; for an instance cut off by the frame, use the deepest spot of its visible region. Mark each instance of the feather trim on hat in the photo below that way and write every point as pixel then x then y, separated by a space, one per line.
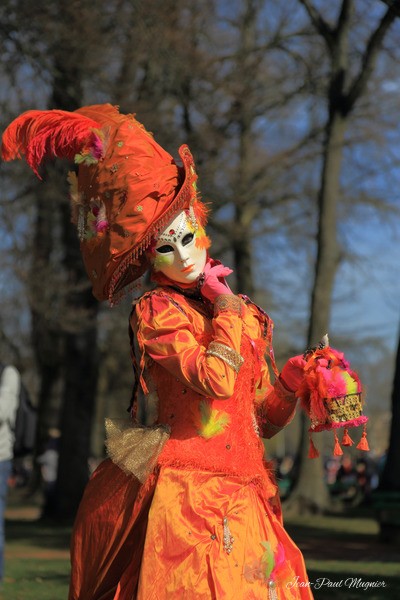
pixel 49 133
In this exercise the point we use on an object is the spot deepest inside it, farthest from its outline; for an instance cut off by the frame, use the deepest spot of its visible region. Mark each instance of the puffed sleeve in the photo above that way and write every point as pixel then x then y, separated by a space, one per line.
pixel 276 410
pixel 274 404
pixel 165 333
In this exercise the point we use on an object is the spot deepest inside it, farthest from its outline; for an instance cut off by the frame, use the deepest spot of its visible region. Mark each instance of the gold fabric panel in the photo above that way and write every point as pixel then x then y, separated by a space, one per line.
pixel 135 448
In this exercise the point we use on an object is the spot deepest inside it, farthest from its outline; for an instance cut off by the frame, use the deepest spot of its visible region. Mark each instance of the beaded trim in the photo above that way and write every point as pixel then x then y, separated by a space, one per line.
pixel 184 197
pixel 230 356
pixel 228 302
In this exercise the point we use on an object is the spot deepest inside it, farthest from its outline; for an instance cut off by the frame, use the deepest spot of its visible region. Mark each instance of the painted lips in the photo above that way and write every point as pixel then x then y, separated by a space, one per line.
pixel 188 269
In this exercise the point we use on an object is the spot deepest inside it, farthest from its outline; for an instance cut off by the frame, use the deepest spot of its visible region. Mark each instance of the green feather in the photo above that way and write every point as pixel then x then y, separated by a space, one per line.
pixel 212 421
pixel 268 559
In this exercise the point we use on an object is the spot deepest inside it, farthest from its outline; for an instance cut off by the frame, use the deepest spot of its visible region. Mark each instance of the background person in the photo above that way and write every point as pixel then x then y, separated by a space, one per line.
pixel 10 383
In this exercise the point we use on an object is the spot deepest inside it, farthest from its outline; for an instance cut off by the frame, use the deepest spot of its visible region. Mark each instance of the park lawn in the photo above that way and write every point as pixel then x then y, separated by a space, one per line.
pixel 36 579
pixel 343 556
pixel 36 561
pixel 336 550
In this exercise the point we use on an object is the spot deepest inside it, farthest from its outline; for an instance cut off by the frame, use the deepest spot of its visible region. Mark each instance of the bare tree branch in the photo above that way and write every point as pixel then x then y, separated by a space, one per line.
pixel 323 28
pixel 369 59
pixel 394 5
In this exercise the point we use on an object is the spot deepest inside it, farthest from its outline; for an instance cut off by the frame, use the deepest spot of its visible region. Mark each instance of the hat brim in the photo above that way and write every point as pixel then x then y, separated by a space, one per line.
pixel 135 262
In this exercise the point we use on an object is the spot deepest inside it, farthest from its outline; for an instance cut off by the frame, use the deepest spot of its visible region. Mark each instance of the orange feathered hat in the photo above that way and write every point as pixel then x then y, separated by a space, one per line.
pixel 126 190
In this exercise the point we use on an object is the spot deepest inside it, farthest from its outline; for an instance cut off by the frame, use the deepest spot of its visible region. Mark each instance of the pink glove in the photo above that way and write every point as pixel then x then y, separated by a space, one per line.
pixel 214 283
pixel 292 373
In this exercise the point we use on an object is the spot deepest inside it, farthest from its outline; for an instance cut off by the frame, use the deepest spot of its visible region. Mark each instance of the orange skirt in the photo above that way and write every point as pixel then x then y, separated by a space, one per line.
pixel 183 534
pixel 108 535
pixel 214 537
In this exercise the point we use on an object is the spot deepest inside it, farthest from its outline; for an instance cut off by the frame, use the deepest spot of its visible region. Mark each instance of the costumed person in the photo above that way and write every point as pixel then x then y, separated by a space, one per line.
pixel 185 506
pixel 10 384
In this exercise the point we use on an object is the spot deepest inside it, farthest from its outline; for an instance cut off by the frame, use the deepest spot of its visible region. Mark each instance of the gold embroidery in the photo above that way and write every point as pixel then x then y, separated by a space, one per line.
pixel 344 408
pixel 228 302
pixel 228 355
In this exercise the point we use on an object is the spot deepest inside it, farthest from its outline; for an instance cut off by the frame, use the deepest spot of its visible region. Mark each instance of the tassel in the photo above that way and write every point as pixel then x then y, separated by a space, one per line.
pixel 346 439
pixel 46 133
pixel 363 443
pixel 337 451
pixel 312 452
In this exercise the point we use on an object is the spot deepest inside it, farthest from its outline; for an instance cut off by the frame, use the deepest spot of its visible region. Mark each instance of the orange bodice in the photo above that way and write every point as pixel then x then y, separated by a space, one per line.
pixel 213 412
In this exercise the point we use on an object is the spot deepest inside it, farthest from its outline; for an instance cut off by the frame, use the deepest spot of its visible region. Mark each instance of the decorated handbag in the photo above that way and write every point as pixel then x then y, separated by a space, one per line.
pixel 331 395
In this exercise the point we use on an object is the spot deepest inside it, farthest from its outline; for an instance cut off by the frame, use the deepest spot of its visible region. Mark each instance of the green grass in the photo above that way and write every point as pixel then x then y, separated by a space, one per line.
pixel 336 550
pixel 343 554
pixel 33 579
pixel 37 563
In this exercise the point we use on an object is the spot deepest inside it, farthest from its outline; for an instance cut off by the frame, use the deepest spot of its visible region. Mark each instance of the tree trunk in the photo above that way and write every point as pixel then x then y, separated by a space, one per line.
pixel 45 333
pixel 310 493
pixel 242 239
pixel 80 368
pixel 390 479
pixel 386 499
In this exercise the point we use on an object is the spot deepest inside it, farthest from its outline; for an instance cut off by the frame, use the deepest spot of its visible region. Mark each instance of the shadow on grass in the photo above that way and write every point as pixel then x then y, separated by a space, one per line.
pixel 344 537
pixel 345 558
pixel 39 533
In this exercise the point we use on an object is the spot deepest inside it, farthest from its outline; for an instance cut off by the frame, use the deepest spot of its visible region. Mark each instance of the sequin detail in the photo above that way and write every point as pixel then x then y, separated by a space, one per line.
pixel 228 538
pixel 228 355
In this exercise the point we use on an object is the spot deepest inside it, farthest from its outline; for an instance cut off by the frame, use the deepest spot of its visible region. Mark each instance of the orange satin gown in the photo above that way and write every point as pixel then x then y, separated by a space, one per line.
pixel 206 524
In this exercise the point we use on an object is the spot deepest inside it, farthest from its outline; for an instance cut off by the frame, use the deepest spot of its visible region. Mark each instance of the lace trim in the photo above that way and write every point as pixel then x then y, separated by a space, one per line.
pixel 230 356
pixel 228 302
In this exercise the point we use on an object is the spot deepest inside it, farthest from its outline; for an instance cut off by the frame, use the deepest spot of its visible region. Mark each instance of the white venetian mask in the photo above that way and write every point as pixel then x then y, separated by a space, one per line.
pixel 176 253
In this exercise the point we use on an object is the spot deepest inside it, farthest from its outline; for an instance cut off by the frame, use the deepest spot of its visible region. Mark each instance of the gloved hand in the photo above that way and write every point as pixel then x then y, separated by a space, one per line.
pixel 293 372
pixel 214 283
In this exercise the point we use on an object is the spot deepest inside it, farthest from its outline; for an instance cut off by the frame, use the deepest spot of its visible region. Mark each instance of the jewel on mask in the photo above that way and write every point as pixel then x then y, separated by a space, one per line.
pixel 174 235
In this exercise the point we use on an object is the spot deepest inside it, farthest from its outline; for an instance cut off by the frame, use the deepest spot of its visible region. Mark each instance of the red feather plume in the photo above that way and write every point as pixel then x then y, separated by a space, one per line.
pixel 46 133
